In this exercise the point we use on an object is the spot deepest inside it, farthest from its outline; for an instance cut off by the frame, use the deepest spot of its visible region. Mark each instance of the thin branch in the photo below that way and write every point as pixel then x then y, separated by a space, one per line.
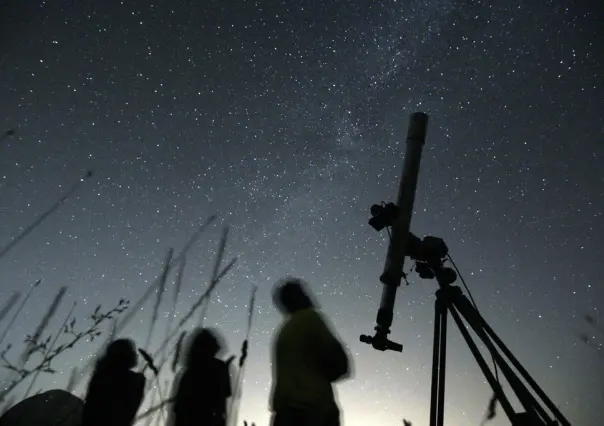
pixel 45 365
pixel 51 347
pixel 33 343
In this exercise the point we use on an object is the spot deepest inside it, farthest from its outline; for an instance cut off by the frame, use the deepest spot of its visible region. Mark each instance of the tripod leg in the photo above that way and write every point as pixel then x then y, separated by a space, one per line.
pixel 525 374
pixel 438 363
pixel 480 326
pixel 501 397
pixel 442 364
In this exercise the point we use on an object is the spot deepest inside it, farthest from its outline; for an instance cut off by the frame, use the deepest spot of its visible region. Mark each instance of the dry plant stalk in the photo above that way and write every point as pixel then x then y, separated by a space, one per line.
pixel 216 270
pixel 33 342
pixel 36 345
pixel 21 306
pixel 154 409
pixel 216 278
pixel 6 249
pixel 155 284
pixel 234 406
pixel 203 298
pixel 217 275
pixel 8 306
pixel 48 353
pixel 160 293
pixel 135 309
pixel 50 348
pixel 175 296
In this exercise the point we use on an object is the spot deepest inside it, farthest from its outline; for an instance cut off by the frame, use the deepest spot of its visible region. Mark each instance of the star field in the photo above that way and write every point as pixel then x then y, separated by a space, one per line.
pixel 288 121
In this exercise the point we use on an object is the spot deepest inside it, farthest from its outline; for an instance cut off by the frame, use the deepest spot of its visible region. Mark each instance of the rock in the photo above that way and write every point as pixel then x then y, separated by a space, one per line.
pixel 52 408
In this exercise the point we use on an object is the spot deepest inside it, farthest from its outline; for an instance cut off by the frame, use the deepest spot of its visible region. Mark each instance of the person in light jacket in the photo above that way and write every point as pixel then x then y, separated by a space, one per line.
pixel 307 359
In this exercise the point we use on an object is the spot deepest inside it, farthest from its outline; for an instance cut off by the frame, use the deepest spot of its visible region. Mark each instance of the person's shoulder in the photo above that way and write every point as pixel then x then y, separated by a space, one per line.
pixel 308 319
pixel 311 316
pixel 219 364
pixel 136 378
pixel 218 361
pixel 308 313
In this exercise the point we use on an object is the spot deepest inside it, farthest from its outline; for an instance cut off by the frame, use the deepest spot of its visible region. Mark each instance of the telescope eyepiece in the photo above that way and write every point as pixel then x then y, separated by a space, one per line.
pixel 381 342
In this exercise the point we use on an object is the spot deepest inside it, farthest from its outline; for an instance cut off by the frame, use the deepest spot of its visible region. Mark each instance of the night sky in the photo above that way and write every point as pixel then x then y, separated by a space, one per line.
pixel 288 121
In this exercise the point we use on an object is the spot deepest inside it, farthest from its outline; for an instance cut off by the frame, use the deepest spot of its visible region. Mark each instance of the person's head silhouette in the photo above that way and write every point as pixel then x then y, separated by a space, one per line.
pixel 204 344
pixel 120 355
pixel 292 295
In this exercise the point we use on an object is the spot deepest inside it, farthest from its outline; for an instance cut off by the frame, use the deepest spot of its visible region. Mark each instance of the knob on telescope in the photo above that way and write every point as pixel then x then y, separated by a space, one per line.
pixel 365 338
pixel 381 343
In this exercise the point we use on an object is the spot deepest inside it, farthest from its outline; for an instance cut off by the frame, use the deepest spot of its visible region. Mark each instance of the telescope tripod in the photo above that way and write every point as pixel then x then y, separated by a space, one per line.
pixel 429 255
pixel 451 299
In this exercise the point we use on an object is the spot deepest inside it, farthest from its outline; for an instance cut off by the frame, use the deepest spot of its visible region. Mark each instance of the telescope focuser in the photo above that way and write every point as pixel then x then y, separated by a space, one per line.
pixel 381 342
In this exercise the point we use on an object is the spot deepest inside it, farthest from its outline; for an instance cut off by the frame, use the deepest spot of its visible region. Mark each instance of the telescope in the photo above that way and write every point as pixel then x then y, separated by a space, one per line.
pixel 430 255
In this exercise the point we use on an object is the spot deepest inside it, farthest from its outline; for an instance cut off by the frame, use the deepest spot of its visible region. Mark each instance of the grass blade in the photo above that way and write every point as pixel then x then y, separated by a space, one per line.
pixel 21 306
pixel 12 301
pixel 5 250
pixel 160 293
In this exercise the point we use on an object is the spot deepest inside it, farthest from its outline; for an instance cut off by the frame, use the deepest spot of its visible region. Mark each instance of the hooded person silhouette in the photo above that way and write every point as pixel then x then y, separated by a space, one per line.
pixel 205 384
pixel 115 392
pixel 307 358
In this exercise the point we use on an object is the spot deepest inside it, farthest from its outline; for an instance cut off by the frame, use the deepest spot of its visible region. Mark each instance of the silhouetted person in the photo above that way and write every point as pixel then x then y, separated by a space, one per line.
pixel 307 358
pixel 115 392
pixel 205 385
